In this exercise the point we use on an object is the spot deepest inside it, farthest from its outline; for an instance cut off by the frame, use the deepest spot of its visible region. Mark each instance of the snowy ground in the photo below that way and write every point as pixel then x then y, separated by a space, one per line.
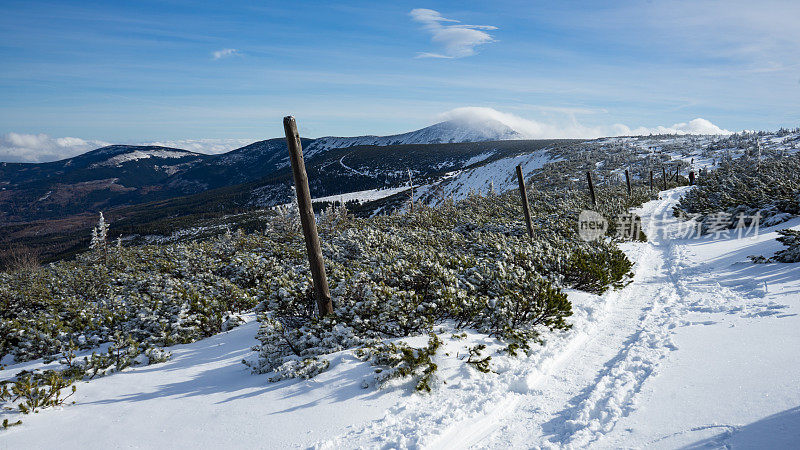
pixel 362 196
pixel 499 175
pixel 699 351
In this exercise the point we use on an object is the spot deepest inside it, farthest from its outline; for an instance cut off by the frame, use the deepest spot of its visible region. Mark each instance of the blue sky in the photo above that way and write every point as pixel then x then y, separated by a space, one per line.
pixel 145 71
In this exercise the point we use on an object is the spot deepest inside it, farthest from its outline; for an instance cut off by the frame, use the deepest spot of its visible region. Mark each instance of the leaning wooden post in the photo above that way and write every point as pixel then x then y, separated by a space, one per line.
pixel 523 193
pixel 664 177
pixel 628 181
pixel 321 292
pixel 591 188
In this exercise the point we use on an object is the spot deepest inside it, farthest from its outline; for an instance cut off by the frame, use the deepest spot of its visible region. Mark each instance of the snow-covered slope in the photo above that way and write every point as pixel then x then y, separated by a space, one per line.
pixel 699 351
pixel 134 155
pixel 498 175
pixel 441 133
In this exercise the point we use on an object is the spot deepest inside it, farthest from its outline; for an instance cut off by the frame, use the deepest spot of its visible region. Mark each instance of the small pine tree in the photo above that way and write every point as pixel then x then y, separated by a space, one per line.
pixel 95 240
pixel 99 243
pixel 102 229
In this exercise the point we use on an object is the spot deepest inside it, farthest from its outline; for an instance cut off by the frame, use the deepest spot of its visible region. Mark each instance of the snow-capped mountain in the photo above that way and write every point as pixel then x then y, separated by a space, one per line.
pixel 450 131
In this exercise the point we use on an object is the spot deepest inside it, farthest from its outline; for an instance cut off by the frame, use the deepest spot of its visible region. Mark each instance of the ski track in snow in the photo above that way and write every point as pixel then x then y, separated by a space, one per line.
pixel 572 391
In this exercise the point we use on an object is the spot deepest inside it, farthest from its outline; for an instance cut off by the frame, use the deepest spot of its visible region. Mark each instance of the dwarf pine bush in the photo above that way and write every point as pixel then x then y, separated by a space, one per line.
pixel 791 254
pixel 469 264
pixel 791 239
pixel 749 187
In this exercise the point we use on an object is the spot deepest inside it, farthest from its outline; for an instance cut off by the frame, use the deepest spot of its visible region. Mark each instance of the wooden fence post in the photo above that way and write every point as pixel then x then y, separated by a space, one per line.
pixel 321 292
pixel 651 181
pixel 677 173
pixel 523 193
pixel 664 177
pixel 628 181
pixel 591 188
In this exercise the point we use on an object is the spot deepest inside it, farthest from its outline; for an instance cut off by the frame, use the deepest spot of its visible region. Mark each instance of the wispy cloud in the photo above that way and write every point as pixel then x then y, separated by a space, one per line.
pixel 16 147
pixel 570 127
pixel 225 52
pixel 456 40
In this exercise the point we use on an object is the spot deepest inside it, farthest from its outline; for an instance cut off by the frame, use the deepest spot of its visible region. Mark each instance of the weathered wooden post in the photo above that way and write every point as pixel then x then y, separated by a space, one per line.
pixel 591 188
pixel 664 177
pixel 321 292
pixel 628 181
pixel 691 178
pixel 677 173
pixel 651 181
pixel 523 193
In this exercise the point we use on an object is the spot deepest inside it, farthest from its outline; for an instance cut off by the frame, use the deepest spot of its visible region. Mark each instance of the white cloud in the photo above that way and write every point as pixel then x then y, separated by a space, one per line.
pixel 570 127
pixel 696 126
pixel 225 52
pixel 16 147
pixel 456 40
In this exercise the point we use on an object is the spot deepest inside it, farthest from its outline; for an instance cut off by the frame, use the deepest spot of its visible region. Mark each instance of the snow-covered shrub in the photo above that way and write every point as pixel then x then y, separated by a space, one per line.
pixel 791 239
pixel 470 264
pixel 31 392
pixel 398 360
pixel 596 272
pixel 746 187
pixel 791 254
pixel 159 296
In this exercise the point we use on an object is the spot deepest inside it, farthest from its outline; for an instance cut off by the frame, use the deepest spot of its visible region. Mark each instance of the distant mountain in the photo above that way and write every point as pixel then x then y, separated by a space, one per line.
pixel 452 131
pixel 113 159
pixel 108 176
pixel 127 175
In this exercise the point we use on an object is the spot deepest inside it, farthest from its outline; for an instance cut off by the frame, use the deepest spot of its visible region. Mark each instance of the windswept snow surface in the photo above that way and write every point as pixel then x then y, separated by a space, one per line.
pixel 699 351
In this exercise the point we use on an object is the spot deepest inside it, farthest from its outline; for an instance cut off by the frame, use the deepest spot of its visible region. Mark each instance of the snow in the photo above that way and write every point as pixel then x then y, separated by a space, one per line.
pixel 500 173
pixel 362 196
pixel 698 351
pixel 478 158
pixel 45 196
pixel 443 132
pixel 136 155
